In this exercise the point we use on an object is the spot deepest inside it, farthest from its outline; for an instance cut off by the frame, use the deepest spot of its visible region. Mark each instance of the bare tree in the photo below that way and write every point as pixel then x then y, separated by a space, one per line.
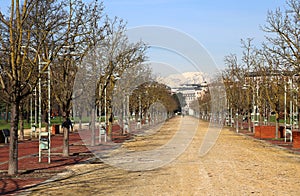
pixel 32 37
pixel 234 78
pixel 17 69
pixel 254 76
pixel 282 51
pixel 284 30
pixel 82 26
pixel 120 55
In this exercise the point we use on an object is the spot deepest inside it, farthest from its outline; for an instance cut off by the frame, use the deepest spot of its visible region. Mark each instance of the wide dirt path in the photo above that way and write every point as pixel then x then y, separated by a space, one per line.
pixel 236 165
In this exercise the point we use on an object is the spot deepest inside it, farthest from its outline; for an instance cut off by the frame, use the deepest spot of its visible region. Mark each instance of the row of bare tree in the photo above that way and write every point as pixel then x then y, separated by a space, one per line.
pixel 70 43
pixel 268 76
pixel 267 73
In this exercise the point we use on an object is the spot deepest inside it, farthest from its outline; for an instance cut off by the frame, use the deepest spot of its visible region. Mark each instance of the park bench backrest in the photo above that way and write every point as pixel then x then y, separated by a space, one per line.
pixel 6 132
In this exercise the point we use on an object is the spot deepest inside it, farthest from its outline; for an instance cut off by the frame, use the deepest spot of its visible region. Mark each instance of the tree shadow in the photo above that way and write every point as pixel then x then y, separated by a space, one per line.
pixel 24 180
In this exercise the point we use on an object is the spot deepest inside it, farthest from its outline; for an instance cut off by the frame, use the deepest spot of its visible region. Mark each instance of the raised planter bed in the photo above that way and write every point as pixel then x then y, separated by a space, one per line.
pixel 296 139
pixel 265 132
pixel 268 132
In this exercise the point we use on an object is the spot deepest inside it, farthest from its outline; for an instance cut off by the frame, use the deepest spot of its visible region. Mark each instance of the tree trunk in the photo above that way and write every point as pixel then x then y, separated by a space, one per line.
pixel 249 121
pixel 6 113
pixel 13 143
pixel 109 131
pixel 66 142
pixel 21 125
pixel 80 122
pixel 110 123
pixel 28 111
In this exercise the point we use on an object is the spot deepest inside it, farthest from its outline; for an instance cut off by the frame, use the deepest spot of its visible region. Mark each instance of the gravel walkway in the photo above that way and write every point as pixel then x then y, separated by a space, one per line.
pixel 235 165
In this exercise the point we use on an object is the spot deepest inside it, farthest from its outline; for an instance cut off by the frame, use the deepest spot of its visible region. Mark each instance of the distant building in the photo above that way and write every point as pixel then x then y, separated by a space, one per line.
pixel 190 92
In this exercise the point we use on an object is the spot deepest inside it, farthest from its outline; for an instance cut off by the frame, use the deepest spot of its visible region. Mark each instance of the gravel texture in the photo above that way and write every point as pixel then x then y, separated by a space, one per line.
pixel 235 165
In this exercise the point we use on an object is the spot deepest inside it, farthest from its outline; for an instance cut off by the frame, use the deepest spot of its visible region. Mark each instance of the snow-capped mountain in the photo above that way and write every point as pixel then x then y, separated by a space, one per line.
pixel 175 80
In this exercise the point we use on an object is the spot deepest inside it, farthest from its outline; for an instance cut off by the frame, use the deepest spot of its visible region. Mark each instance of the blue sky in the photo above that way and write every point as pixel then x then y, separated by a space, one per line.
pixel 218 25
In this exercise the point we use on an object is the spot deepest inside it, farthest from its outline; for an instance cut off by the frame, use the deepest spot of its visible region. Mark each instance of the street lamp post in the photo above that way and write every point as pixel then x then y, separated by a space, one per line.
pixel 231 118
pixel 40 111
pixel 49 98
pixel 101 130
pixel 40 101
pixel 128 112
pixel 284 110
pixel 31 114
pixel 294 104
pixel 35 112
pixel 39 84
pixel 139 125
pixel 237 121
pixel 295 109
pixel 292 120
pixel 253 104
pixel 123 113
pixel 105 110
pixel 33 127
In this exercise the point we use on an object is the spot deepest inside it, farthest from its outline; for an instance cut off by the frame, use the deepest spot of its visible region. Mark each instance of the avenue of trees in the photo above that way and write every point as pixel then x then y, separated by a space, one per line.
pixel 266 79
pixel 47 41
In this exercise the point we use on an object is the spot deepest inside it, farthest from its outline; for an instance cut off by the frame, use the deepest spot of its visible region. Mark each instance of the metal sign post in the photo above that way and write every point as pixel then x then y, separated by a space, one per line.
pixel 44 144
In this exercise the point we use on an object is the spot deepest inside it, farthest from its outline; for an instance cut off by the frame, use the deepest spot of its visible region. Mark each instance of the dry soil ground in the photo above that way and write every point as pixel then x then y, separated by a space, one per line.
pixel 236 165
